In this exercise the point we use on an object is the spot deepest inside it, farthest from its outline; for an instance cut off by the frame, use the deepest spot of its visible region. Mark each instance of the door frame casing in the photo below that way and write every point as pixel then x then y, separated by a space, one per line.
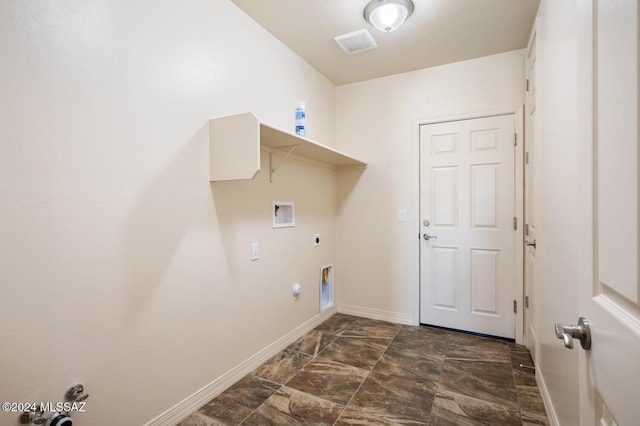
pixel 528 340
pixel 518 113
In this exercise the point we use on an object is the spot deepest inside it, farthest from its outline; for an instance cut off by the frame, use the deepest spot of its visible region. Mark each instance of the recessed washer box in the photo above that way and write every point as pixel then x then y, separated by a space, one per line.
pixel 283 214
pixel 326 287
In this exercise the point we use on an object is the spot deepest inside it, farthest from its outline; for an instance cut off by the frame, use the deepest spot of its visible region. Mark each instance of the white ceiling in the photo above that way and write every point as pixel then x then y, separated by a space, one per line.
pixel 438 32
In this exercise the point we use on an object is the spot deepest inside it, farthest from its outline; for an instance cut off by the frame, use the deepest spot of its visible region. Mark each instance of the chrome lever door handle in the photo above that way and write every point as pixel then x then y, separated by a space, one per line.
pixel 562 333
pixel 582 332
pixel 530 243
pixel 428 237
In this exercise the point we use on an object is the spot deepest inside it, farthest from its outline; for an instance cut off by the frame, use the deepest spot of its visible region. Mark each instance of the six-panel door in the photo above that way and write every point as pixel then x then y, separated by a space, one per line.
pixel 467 192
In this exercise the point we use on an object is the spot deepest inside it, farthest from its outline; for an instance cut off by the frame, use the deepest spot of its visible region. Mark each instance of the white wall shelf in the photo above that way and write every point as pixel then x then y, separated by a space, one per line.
pixel 234 147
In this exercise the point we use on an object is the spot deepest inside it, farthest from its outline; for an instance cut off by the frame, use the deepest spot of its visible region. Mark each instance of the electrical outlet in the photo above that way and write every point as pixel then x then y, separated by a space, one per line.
pixel 316 240
pixel 255 251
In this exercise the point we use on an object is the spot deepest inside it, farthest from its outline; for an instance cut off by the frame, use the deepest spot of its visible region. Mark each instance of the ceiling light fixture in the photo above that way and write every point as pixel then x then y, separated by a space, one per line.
pixel 388 15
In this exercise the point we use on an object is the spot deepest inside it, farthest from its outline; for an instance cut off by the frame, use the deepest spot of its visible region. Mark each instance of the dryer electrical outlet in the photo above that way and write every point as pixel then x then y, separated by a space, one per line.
pixel 316 240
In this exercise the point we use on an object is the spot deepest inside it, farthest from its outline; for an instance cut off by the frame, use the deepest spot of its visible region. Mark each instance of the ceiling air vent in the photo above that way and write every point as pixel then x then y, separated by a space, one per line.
pixel 357 41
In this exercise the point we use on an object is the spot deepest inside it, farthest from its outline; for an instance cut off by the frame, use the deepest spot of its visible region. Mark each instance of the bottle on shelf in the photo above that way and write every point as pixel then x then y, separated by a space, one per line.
pixel 300 119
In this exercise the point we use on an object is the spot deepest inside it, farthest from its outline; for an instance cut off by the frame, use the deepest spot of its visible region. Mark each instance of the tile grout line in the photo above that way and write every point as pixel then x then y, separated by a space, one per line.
pixel 313 357
pixel 435 395
pixel 544 413
pixel 367 376
pixel 283 385
pixel 515 384
pixel 262 403
pixel 512 369
pixel 359 386
pixel 280 386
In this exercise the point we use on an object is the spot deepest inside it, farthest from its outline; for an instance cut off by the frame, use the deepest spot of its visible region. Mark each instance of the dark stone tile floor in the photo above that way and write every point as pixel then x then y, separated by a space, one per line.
pixel 357 371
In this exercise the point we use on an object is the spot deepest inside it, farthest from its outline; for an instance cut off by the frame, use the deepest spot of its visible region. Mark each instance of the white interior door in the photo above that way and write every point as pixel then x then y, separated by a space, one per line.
pixel 530 192
pixel 467 195
pixel 610 294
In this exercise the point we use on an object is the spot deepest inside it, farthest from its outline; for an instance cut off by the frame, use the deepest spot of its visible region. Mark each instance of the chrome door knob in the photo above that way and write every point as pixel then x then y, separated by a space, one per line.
pixel 581 332
pixel 428 237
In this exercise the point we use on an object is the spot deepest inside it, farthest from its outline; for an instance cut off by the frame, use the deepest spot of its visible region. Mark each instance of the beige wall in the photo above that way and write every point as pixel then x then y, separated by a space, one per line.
pixel 377 121
pixel 121 266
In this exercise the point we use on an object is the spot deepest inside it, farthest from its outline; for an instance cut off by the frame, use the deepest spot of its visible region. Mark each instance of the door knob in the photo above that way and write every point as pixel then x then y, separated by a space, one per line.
pixel 530 243
pixel 428 237
pixel 581 332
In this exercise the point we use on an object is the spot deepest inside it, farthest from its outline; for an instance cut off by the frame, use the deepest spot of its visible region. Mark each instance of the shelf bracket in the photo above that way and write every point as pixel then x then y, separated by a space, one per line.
pixel 272 169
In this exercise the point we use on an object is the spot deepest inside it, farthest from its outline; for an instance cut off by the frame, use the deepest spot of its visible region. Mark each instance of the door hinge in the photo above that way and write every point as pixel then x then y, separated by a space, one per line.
pixel 526 302
pixel 515 223
pixel 515 306
pixel 515 139
pixel 526 230
pixel 526 157
pixel 527 84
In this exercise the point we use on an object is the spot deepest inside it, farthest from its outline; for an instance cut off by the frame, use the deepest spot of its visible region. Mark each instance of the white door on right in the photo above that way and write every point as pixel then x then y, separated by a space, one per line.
pixel 610 287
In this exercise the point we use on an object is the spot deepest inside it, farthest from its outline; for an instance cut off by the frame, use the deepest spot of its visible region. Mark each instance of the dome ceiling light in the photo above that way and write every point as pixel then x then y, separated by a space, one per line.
pixel 388 15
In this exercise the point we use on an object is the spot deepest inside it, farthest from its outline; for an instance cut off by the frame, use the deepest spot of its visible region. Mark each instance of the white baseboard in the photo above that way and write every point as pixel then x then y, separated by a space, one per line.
pixel 360 311
pixel 551 412
pixel 192 403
